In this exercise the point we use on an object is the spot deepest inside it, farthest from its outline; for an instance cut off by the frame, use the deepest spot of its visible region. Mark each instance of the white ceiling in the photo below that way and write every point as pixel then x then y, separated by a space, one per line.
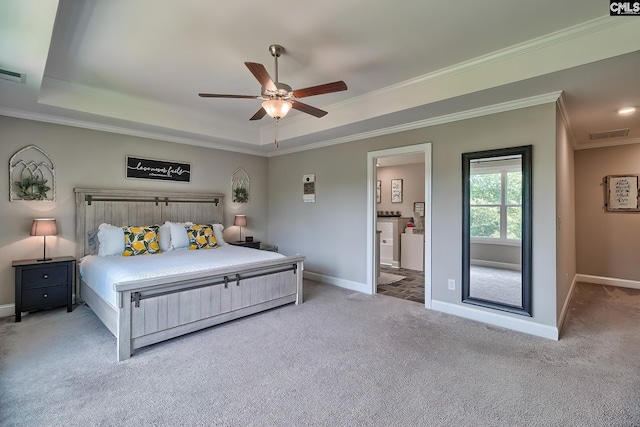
pixel 136 67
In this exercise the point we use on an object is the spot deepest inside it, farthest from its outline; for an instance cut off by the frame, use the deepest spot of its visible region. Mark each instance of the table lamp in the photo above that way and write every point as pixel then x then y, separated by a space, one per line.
pixel 241 221
pixel 44 227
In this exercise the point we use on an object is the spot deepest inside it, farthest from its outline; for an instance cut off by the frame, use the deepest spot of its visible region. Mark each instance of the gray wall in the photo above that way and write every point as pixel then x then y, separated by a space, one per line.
pixel 566 215
pixel 332 232
pixel 86 158
pixel 508 254
pixel 608 243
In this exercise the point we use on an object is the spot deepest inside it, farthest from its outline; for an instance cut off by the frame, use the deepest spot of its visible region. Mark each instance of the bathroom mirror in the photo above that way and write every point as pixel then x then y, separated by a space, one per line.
pixel 496 233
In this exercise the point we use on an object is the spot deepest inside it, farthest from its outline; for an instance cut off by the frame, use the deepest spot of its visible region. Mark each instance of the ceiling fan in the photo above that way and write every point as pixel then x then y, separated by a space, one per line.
pixel 278 98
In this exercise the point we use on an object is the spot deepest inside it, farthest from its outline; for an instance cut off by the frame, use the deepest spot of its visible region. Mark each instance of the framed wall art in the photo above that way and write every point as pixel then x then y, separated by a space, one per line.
pixel 396 191
pixel 621 193
pixel 379 191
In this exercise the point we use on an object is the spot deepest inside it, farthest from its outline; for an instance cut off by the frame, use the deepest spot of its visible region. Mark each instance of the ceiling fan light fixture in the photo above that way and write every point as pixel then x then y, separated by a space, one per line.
pixel 276 108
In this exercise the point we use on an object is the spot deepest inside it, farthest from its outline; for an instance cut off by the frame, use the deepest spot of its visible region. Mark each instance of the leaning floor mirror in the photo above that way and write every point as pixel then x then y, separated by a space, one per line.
pixel 496 244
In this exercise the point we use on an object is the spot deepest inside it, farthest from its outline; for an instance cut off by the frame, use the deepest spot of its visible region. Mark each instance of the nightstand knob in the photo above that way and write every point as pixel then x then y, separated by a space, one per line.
pixel 44 296
pixel 45 276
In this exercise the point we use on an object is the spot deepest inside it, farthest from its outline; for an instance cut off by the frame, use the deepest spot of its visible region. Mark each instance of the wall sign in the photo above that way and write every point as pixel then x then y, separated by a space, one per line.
pixel 158 169
pixel 622 193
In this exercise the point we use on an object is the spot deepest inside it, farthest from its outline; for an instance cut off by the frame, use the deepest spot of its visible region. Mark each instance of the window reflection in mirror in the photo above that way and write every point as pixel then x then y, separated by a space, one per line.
pixel 496 230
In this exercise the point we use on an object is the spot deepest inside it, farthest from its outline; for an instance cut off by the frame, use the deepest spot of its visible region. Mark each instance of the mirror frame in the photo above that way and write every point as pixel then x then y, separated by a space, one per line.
pixel 526 244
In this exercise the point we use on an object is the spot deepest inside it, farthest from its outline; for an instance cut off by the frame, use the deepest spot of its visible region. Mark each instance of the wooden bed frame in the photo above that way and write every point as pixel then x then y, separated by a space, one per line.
pixel 153 310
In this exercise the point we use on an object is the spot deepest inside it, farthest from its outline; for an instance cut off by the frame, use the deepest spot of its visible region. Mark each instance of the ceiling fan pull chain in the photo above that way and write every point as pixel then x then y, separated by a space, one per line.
pixel 275 138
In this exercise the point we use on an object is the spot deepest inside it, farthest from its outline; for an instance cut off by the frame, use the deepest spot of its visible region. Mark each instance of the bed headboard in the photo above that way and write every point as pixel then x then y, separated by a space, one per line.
pixel 141 207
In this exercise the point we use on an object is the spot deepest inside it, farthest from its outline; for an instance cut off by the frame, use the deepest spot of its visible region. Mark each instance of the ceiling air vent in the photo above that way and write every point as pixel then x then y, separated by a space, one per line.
pixel 609 134
pixel 13 76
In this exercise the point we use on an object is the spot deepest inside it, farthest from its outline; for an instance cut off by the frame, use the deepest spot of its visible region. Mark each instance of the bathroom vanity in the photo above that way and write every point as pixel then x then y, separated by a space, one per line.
pixel 390 230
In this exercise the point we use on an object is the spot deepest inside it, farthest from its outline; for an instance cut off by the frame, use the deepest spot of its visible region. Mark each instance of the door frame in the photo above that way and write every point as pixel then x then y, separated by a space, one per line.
pixel 372 249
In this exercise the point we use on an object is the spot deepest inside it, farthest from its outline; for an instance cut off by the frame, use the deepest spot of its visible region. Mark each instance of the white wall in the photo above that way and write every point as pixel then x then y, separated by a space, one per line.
pixel 332 232
pixel 86 158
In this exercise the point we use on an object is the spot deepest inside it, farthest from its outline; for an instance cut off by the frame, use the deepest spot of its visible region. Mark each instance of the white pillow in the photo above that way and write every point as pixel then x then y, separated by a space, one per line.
pixel 164 237
pixel 179 237
pixel 111 240
pixel 218 233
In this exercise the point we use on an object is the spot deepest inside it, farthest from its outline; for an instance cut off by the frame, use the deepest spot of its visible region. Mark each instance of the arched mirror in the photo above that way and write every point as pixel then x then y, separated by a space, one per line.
pixel 496 244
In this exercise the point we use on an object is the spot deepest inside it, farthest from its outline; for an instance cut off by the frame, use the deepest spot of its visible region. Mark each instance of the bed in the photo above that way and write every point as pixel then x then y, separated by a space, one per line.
pixel 168 299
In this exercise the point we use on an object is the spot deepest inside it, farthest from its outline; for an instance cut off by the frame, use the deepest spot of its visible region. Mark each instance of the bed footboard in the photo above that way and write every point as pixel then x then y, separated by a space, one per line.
pixel 152 314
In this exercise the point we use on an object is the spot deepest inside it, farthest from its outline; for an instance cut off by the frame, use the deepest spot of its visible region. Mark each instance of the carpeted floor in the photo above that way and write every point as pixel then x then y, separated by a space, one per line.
pixel 496 284
pixel 341 359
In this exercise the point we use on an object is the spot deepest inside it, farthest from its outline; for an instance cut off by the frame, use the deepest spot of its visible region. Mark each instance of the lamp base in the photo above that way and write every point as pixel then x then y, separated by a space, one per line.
pixel 44 259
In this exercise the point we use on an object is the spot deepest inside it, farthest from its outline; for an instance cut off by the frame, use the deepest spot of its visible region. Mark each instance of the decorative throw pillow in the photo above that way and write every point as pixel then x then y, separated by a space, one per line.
pixel 201 237
pixel 94 243
pixel 164 237
pixel 111 240
pixel 218 231
pixel 140 240
pixel 179 238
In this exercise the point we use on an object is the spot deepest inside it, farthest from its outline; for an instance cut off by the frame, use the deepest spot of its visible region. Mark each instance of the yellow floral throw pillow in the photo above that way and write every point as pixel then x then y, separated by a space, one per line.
pixel 141 240
pixel 201 237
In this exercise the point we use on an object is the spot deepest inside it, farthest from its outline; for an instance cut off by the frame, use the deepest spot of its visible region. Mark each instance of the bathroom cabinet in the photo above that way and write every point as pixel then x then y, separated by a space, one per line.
pixel 390 231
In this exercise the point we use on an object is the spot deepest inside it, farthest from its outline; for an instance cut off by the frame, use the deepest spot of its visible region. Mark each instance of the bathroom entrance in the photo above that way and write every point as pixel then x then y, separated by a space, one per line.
pixel 399 222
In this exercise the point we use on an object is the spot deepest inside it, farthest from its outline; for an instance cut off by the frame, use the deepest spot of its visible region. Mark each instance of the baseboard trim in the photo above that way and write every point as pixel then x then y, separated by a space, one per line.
pixel 7 310
pixel 336 281
pixel 565 307
pixel 495 264
pixel 611 281
pixel 495 319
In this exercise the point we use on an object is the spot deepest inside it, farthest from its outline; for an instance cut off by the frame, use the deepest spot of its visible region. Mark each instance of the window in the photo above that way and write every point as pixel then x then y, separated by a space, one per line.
pixel 496 200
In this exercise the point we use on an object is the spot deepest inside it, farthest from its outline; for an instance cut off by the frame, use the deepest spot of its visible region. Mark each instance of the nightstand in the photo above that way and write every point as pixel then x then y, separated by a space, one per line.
pixel 41 285
pixel 253 245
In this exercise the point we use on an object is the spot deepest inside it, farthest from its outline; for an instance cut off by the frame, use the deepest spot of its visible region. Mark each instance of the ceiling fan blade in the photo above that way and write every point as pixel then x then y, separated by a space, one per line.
pixel 308 109
pixel 217 95
pixel 261 74
pixel 259 114
pixel 320 89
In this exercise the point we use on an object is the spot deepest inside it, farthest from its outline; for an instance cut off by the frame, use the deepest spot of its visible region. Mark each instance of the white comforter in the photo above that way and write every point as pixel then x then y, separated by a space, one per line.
pixel 101 273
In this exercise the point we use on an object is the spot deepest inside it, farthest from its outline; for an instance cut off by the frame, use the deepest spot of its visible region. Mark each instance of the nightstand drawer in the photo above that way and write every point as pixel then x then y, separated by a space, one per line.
pixel 50 296
pixel 44 276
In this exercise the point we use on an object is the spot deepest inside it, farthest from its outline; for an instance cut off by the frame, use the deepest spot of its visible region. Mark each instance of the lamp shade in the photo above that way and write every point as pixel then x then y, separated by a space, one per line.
pixel 240 220
pixel 44 227
pixel 276 108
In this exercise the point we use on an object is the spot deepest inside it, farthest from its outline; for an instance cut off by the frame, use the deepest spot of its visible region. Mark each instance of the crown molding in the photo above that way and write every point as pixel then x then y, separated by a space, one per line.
pixel 448 118
pixel 122 130
pixel 562 107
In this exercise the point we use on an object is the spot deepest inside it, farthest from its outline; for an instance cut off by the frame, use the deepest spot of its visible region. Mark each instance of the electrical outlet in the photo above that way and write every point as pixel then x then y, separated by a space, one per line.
pixel 452 284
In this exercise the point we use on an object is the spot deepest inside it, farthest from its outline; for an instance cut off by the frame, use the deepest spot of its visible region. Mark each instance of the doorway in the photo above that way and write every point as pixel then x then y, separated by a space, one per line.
pixel 373 248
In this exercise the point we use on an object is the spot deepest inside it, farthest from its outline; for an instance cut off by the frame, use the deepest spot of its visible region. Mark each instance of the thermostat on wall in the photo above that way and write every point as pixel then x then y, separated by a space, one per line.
pixel 309 188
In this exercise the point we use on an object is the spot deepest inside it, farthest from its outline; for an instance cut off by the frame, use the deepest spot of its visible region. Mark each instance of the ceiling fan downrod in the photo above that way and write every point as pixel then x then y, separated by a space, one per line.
pixel 276 50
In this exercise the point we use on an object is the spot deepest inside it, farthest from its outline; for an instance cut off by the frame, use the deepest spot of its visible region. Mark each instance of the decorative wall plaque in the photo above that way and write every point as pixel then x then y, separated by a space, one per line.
pixel 32 176
pixel 240 184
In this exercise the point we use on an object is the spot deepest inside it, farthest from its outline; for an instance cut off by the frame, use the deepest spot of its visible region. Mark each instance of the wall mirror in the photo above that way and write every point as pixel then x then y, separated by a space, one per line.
pixel 496 233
